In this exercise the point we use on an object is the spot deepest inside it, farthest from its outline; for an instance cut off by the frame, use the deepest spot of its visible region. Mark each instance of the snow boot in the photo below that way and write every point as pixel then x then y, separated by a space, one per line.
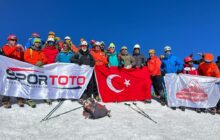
pixel 48 101
pixel 182 108
pixel 31 103
pixel 20 102
pixel 198 110
pixel 218 111
pixel 6 104
pixel 174 108
pixel 147 101
pixel 212 111
pixel 162 102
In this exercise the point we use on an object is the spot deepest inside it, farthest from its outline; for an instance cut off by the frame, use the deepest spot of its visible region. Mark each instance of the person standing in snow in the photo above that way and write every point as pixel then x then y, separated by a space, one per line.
pixel 139 58
pixel 125 59
pixel 112 56
pixel 65 54
pixel 190 69
pixel 83 57
pixel 209 68
pixel 14 51
pixel 154 64
pixel 51 52
pixel 171 64
pixel 36 57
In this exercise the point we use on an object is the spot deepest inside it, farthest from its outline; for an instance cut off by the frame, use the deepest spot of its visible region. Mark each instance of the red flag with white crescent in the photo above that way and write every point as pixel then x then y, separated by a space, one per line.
pixel 117 85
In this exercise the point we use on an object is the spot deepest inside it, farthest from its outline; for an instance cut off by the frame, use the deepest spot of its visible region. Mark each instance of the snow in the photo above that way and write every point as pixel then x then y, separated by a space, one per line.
pixel 24 123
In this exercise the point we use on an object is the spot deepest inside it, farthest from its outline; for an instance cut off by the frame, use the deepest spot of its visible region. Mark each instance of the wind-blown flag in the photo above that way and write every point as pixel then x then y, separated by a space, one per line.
pixel 117 85
pixel 53 81
pixel 192 91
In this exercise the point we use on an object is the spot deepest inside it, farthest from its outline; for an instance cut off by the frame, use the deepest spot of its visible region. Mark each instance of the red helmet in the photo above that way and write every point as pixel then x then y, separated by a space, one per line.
pixel 35 35
pixel 187 59
pixel 10 37
pixel 208 57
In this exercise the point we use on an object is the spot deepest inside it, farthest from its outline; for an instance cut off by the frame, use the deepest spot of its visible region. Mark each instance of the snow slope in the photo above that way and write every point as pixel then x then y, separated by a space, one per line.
pixel 24 123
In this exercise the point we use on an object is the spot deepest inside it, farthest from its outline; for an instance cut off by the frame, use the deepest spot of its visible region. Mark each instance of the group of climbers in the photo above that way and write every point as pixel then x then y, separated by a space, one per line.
pixel 39 53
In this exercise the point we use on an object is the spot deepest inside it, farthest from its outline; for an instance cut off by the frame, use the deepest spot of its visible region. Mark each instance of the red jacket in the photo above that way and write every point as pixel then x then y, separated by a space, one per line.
pixel 13 52
pixel 153 65
pixel 209 69
pixel 190 70
pixel 51 53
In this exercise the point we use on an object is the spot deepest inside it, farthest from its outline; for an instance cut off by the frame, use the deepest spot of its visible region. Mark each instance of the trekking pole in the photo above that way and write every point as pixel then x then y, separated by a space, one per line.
pixel 52 111
pixel 140 112
pixel 63 113
pixel 144 112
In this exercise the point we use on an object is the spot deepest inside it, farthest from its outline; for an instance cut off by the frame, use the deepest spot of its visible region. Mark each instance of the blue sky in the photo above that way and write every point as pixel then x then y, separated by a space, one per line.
pixel 186 25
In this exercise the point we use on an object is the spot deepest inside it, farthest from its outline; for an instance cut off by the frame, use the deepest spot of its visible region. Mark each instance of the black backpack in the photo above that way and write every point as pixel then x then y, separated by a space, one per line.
pixel 94 110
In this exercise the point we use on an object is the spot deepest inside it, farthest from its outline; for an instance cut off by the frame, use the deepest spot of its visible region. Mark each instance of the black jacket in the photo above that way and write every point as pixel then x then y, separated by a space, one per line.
pixel 84 58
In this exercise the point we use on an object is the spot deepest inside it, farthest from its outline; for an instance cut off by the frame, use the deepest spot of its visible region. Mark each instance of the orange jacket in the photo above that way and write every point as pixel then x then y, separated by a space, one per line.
pixel 74 48
pixel 154 64
pixel 13 52
pixel 99 57
pixel 209 69
pixel 32 56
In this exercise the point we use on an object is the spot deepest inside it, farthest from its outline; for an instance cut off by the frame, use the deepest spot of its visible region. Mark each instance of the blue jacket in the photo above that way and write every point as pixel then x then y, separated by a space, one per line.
pixel 113 59
pixel 64 57
pixel 171 64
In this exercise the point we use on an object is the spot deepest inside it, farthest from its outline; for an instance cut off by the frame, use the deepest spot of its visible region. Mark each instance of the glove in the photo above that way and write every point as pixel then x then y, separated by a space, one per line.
pixel 119 66
pixel 80 62
pixel 128 66
pixel 191 55
pixel 178 72
pixel 141 66
pixel 39 63
pixel 108 66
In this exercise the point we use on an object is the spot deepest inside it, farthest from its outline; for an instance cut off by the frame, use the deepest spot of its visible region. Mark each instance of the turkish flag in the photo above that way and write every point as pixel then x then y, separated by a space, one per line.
pixel 117 85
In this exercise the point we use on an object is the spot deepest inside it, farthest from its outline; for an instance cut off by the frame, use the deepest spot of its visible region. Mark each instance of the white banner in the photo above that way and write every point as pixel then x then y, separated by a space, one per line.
pixel 53 81
pixel 192 91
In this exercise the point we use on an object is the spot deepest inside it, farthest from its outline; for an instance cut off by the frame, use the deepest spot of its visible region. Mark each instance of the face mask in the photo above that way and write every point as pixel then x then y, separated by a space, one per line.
pixel 50 43
pixel 84 49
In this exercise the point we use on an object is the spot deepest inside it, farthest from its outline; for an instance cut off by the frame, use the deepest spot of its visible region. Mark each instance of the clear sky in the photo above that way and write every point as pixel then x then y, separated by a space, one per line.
pixel 186 25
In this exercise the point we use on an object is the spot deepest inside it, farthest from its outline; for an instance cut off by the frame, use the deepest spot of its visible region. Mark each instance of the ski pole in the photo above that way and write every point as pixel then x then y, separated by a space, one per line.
pixel 144 112
pixel 52 111
pixel 140 112
pixel 64 113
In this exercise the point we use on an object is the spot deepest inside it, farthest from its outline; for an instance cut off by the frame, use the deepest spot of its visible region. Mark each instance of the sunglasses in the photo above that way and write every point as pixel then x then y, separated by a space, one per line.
pixel 111 47
pixel 124 49
pixel 13 40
